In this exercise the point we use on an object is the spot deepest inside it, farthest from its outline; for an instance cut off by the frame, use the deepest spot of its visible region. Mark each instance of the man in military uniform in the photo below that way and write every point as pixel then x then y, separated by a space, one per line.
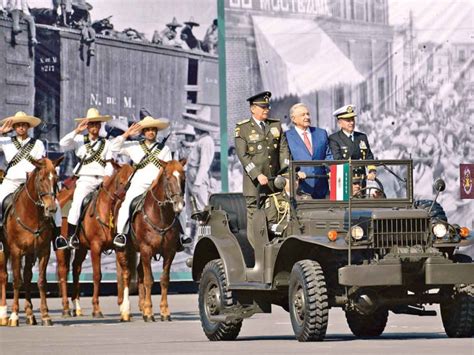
pixel 347 143
pixel 199 162
pixel 145 155
pixel 19 151
pixel 95 154
pixel 263 151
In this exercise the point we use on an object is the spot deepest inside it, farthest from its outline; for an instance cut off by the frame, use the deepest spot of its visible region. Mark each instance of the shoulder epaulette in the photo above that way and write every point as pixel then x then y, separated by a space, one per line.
pixel 273 120
pixel 242 122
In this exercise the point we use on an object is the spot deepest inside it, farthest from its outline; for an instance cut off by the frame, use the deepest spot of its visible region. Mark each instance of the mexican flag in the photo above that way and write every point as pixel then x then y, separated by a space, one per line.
pixel 339 189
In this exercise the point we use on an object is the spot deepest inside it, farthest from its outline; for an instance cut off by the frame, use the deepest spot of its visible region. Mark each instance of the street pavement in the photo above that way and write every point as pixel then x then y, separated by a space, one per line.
pixel 260 334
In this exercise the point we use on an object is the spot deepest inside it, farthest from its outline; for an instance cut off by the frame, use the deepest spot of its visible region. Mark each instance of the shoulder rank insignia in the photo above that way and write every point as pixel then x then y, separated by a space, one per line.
pixel 237 131
pixel 244 121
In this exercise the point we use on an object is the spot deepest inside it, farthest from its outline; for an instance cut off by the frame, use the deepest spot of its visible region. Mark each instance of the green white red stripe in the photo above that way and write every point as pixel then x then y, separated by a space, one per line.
pixel 339 190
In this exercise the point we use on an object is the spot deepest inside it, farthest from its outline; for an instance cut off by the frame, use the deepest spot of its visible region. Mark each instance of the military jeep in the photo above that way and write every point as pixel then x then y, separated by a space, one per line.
pixel 368 253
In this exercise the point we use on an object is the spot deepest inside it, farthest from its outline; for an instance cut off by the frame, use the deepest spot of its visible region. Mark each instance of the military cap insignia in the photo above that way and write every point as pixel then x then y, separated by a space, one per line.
pixel 349 109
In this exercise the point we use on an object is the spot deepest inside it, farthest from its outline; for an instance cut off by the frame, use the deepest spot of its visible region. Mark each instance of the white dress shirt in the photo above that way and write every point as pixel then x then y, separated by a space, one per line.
pixel 19 171
pixel 300 133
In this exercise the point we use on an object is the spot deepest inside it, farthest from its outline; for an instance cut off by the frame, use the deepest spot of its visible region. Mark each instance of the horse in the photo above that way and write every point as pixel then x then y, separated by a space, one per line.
pixel 192 42
pixel 96 233
pixel 27 232
pixel 155 229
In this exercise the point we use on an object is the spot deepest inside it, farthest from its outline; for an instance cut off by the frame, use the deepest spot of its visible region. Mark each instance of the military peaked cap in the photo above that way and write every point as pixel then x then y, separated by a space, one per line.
pixel 261 99
pixel 347 111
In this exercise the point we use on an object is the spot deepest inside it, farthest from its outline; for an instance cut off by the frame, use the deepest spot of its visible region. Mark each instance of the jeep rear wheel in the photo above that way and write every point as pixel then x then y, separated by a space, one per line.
pixel 370 325
pixel 457 313
pixel 214 297
pixel 308 301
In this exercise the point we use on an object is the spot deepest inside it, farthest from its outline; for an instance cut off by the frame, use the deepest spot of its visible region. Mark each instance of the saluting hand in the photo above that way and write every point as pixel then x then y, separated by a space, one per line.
pixel 133 130
pixel 262 179
pixel 81 126
pixel 6 127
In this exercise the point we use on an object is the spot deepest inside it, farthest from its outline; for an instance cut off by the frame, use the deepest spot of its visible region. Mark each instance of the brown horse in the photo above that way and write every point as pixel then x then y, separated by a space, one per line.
pixel 155 230
pixel 27 232
pixel 96 234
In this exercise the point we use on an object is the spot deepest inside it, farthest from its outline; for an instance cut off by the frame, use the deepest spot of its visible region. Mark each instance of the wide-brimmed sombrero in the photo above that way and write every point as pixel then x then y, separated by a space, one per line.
pixel 201 120
pixel 187 130
pixel 159 123
pixel 81 5
pixel 21 117
pixel 191 22
pixel 93 115
pixel 174 23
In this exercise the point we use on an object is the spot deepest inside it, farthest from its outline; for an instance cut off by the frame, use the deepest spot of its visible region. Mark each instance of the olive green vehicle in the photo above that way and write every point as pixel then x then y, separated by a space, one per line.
pixel 375 252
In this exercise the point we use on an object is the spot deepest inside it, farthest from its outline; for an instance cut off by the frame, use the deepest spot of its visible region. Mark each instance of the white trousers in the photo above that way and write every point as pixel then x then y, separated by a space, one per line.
pixel 84 185
pixel 9 186
pixel 137 187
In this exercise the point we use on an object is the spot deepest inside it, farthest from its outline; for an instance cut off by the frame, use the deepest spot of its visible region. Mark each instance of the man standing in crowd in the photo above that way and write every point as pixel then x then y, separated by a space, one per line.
pixel 348 143
pixel 199 162
pixel 19 151
pixel 263 151
pixel 94 166
pixel 308 143
pixel 145 155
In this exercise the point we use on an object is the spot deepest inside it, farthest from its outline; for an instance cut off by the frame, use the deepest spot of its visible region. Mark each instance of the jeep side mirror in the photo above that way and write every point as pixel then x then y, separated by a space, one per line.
pixel 439 185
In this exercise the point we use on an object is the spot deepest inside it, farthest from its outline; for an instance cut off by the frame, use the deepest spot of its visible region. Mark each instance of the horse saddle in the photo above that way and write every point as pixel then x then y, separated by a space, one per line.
pixel 136 206
pixel 91 196
pixel 8 204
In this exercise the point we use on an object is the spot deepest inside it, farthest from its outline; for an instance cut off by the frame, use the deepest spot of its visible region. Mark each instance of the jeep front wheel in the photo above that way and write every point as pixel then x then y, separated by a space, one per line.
pixel 308 301
pixel 457 312
pixel 214 297
pixel 370 325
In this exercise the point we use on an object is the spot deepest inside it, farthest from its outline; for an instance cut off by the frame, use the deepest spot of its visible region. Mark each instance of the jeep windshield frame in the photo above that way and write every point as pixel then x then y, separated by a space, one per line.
pixel 386 166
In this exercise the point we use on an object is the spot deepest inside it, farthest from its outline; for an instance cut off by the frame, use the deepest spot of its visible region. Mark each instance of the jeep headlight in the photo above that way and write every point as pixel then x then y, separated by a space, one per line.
pixel 440 230
pixel 357 232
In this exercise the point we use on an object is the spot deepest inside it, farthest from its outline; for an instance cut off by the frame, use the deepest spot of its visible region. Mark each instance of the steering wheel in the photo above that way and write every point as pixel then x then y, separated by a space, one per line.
pixel 358 194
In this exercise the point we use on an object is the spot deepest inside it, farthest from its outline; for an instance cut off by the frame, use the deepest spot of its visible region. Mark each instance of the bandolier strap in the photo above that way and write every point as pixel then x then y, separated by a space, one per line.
pixel 23 152
pixel 94 155
pixel 151 156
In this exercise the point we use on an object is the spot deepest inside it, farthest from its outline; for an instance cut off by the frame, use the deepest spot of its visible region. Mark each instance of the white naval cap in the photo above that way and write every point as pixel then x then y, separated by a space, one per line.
pixel 347 111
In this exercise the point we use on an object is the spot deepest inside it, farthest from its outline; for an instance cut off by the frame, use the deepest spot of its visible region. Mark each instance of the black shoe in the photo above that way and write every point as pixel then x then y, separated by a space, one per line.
pixel 120 240
pixel 186 240
pixel 60 242
pixel 74 242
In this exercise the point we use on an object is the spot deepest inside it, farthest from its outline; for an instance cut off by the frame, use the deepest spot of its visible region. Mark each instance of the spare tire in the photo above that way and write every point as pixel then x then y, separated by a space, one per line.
pixel 437 212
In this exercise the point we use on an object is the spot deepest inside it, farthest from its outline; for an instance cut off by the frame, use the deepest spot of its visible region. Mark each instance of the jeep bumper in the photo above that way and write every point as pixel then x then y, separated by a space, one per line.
pixel 435 272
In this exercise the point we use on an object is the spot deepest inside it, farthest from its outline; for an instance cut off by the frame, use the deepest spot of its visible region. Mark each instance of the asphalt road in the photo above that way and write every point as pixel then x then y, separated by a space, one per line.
pixel 261 334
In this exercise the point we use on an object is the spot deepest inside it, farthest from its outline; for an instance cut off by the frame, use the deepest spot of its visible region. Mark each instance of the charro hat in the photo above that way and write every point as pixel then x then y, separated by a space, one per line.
pixel 174 23
pixel 261 99
pixel 93 115
pixel 82 5
pixel 191 22
pixel 201 120
pixel 347 111
pixel 187 130
pixel 21 117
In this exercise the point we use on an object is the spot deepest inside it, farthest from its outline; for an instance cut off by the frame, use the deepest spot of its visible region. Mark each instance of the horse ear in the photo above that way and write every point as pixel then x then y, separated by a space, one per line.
pixel 163 163
pixel 58 161
pixel 183 161
pixel 116 165
pixel 38 163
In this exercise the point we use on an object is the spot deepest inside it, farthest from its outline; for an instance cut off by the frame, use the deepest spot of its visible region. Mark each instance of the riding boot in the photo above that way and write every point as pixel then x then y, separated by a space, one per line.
pixel 120 240
pixel 60 242
pixel 73 239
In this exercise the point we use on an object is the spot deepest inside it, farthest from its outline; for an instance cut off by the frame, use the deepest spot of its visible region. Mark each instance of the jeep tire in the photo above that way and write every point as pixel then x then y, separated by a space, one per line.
pixel 214 297
pixel 457 312
pixel 308 301
pixel 370 325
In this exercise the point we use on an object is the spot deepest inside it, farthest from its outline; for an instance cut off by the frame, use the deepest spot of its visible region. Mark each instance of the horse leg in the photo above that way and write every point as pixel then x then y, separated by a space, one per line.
pixel 13 321
pixel 42 283
pixel 124 274
pixel 164 283
pixel 62 258
pixel 79 257
pixel 141 286
pixel 27 276
pixel 148 284
pixel 97 276
pixel 3 288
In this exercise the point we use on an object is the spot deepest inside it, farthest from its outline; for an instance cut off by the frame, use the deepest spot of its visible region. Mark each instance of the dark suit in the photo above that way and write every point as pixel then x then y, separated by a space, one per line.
pixel 317 188
pixel 343 147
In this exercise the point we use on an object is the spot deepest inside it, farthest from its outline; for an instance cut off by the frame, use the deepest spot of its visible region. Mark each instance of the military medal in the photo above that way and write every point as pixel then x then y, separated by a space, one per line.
pixel 275 132
pixel 254 136
pixel 259 147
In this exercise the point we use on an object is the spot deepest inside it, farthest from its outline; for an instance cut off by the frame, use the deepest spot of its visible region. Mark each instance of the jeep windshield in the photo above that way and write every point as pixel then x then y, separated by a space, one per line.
pixel 379 182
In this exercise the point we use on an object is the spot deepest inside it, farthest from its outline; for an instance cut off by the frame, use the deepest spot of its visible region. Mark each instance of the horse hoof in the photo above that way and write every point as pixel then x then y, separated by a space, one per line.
pixel 68 314
pixel 78 313
pixel 125 318
pixel 97 315
pixel 46 322
pixel 3 322
pixel 13 323
pixel 31 320
pixel 149 318
pixel 166 318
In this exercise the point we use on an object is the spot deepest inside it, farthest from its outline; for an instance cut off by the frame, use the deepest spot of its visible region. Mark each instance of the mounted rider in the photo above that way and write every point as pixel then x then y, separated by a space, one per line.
pixel 93 168
pixel 20 150
pixel 145 155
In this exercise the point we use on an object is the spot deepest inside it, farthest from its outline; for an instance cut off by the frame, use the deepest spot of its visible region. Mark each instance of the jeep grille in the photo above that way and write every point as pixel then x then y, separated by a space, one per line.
pixel 403 232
